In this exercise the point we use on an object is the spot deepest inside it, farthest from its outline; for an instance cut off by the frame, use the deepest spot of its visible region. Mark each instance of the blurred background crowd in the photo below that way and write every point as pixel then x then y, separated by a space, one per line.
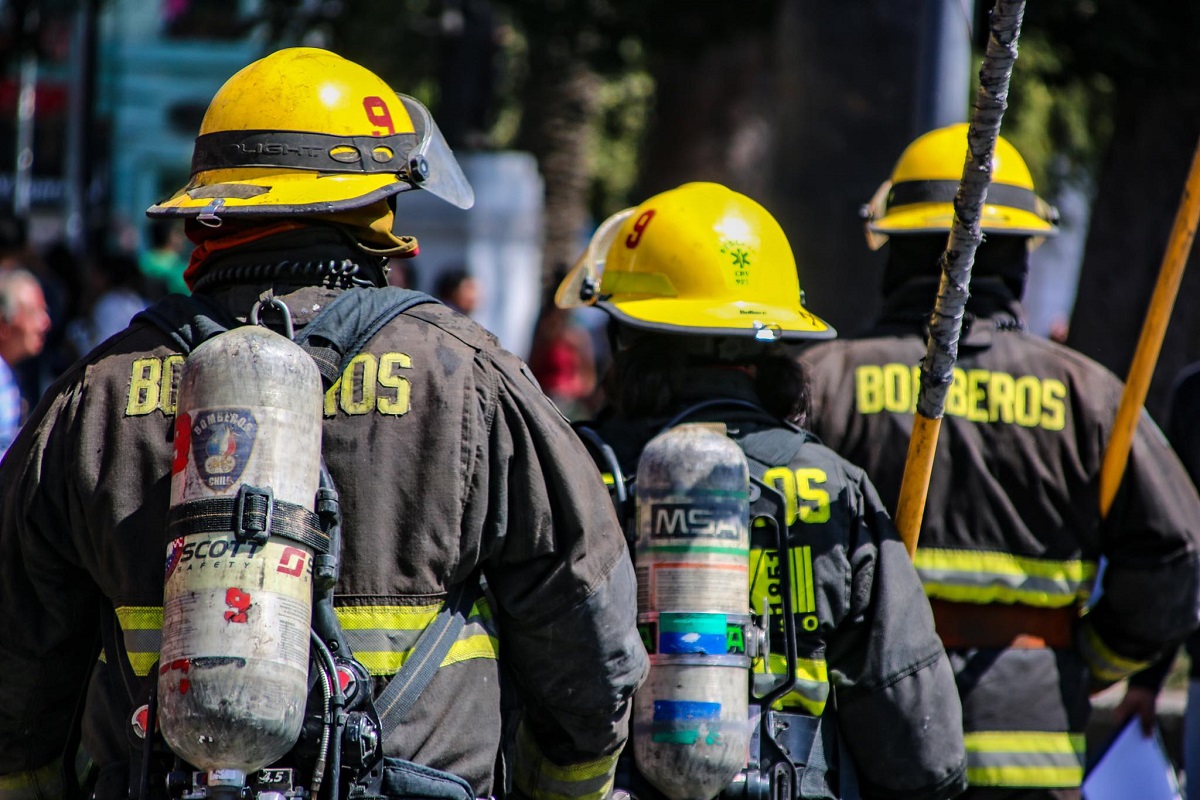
pixel 564 112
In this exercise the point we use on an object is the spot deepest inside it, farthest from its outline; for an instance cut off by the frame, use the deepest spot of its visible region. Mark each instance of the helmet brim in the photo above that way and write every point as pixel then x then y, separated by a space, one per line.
pixel 252 192
pixel 705 318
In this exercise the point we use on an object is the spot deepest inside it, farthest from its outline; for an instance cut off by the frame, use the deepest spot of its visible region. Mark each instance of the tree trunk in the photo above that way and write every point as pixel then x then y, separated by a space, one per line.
pixel 560 110
pixel 714 116
pixel 845 107
pixel 1141 182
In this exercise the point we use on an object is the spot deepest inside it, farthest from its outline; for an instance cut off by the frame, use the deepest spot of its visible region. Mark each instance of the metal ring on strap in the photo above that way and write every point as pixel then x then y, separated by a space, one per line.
pixel 253 515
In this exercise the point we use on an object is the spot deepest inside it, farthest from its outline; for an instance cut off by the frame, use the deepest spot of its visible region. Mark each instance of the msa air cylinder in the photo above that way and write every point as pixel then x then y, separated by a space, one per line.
pixel 237 602
pixel 691 728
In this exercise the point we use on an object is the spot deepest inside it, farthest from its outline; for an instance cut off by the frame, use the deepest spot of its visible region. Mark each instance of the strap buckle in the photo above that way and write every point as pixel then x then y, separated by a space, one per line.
pixel 253 509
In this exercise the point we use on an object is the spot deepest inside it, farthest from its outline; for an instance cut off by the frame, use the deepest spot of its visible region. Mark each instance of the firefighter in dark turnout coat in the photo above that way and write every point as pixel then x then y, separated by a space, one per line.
pixel 449 460
pixel 1012 535
pixel 702 290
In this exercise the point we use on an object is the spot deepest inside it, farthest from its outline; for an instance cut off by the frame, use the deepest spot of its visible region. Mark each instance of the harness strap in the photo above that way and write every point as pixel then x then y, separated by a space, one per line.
pixel 188 319
pixel 332 338
pixel 343 328
pixel 427 655
pixel 253 515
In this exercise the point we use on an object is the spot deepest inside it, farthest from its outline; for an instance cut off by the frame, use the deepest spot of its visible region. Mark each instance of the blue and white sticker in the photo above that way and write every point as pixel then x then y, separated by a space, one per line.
pixel 222 441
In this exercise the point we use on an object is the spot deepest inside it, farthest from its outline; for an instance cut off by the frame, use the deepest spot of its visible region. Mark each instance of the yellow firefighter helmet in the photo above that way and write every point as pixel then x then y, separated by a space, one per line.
pixel 305 131
pixel 919 195
pixel 700 259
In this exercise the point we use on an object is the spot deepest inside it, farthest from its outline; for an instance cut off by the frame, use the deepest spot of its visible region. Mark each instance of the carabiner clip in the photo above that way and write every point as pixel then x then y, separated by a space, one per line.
pixel 274 302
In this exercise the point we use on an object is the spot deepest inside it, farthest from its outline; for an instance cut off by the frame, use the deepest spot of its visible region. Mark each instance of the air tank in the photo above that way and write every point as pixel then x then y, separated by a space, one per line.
pixel 232 680
pixel 691 729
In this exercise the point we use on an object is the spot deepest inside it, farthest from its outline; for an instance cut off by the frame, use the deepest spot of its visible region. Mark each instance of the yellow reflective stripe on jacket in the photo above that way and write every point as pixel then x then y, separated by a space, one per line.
pixel 1102 661
pixel 141 628
pixel 977 576
pixel 43 782
pixel 382 637
pixel 811 691
pixel 541 779
pixel 33 785
pixel 1025 758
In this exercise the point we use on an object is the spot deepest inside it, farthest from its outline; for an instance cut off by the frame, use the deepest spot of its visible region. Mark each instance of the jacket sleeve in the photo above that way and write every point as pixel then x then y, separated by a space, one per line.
pixel 1149 597
pixel 897 702
pixel 563 580
pixel 50 622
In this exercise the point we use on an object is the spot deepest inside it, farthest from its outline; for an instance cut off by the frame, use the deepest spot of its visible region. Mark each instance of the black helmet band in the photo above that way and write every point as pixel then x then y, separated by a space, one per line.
pixel 932 191
pixel 313 152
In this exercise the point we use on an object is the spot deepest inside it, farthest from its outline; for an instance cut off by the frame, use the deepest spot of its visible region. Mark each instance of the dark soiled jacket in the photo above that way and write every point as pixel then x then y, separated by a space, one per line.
pixel 449 461
pixel 1012 533
pixel 873 652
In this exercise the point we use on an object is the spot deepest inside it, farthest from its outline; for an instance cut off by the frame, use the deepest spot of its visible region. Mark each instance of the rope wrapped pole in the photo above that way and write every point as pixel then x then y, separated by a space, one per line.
pixel 945 324
pixel 1154 328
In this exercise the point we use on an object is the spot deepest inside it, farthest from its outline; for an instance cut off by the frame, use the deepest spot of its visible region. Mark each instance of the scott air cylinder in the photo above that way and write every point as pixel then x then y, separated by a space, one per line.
pixel 237 603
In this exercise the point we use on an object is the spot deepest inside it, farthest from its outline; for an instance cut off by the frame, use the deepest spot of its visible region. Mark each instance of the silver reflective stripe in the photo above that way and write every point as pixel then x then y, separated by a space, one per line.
pixel 1105 663
pixel 974 576
pixel 1025 758
pixel 376 640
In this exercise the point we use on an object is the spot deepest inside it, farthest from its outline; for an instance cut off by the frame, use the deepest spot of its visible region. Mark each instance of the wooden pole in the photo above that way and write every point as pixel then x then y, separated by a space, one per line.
pixel 1154 328
pixel 945 325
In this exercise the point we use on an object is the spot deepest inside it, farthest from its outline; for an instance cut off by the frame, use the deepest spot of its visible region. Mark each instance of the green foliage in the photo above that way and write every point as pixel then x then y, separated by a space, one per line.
pixel 625 101
pixel 1059 121
pixel 1075 55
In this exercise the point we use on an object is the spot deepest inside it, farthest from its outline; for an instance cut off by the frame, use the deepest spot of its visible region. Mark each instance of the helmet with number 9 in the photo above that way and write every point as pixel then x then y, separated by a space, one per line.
pixel 699 259
pixel 305 131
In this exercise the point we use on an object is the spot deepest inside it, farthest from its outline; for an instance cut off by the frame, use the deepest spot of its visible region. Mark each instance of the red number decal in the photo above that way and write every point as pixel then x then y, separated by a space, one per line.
pixel 291 561
pixel 378 114
pixel 239 601
pixel 639 227
pixel 183 442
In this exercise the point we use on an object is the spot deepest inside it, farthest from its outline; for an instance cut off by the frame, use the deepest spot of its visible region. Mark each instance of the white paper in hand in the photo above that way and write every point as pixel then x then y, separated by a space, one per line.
pixel 1133 766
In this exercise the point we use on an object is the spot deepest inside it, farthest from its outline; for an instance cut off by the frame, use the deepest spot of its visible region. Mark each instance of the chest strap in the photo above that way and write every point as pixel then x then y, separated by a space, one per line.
pixel 254 515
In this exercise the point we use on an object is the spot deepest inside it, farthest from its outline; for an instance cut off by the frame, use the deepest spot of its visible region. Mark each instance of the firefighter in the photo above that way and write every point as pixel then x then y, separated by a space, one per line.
pixel 1012 534
pixel 450 463
pixel 701 289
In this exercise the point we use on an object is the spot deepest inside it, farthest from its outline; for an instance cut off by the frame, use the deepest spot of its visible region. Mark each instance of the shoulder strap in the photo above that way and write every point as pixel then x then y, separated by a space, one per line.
pixel 427 655
pixel 189 320
pixel 345 326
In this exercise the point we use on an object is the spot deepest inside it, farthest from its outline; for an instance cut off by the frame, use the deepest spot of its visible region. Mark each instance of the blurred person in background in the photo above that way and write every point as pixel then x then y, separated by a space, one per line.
pixel 564 362
pixel 23 326
pixel 458 289
pixel 1012 532
pixel 162 261
pixel 116 297
pixel 1141 695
